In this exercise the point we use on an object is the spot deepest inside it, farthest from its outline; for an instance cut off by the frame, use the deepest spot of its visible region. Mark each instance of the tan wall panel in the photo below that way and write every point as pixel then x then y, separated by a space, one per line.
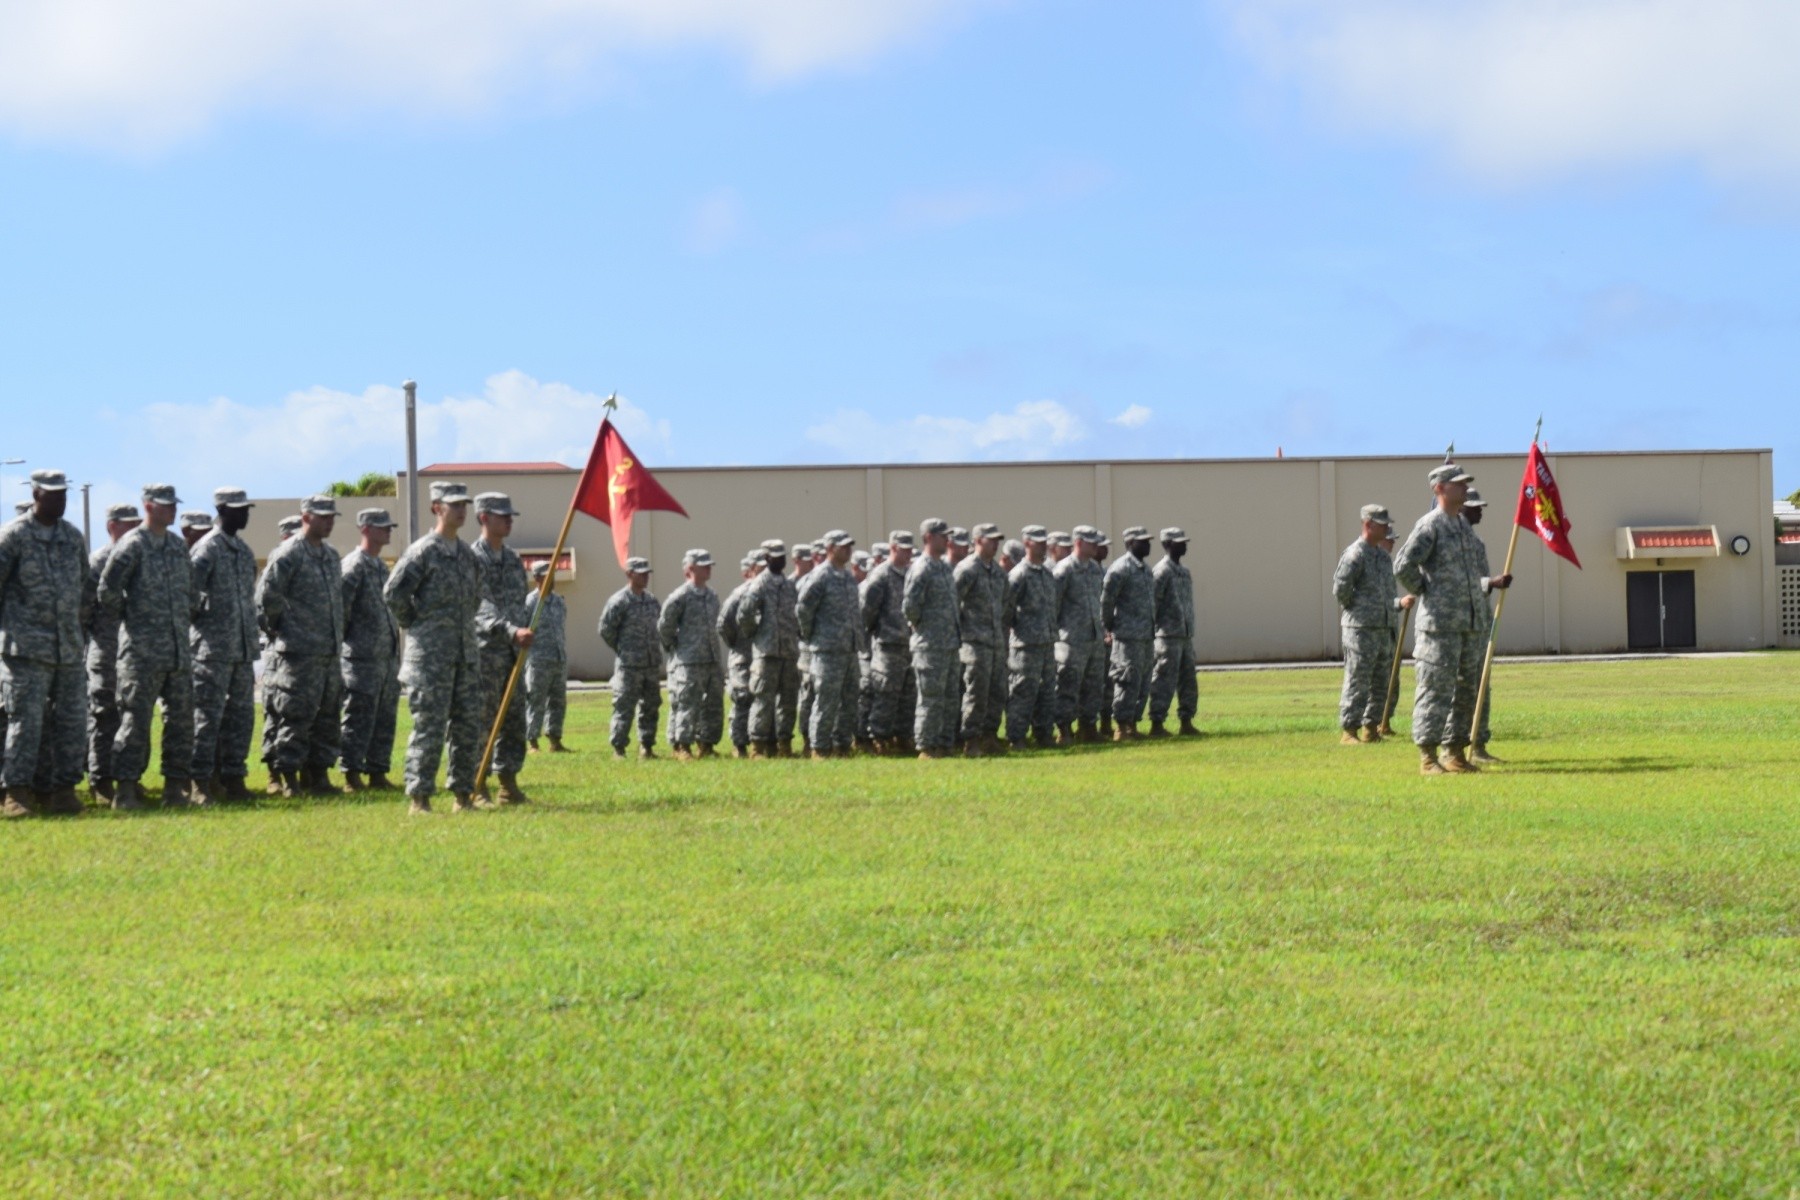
pixel 1013 495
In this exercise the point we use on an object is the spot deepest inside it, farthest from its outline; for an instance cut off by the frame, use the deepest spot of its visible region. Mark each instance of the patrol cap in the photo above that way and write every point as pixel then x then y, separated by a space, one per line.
pixel 1136 533
pixel 539 570
pixel 1174 533
pixel 803 552
pixel 860 557
pixel 1377 513
pixel 1059 537
pixel 987 529
pixel 900 537
pixel 1034 533
pixel 932 525
pixel 230 497
pixel 290 524
pixel 1474 500
pixel 1087 533
pixel 123 512
pixel 748 561
pixel 638 566
pixel 839 537
pixel 196 520
pixel 697 558
pixel 374 517
pixel 1014 549
pixel 1449 473
pixel 879 552
pixel 445 492
pixel 495 504
pixel 756 557
pixel 319 506
pixel 776 548
pixel 1103 541
pixel 960 536
pixel 160 493
pixel 49 481
pixel 818 546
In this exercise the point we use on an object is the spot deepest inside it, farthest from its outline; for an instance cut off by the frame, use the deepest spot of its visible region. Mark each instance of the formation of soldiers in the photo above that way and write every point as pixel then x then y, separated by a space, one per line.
pixel 930 645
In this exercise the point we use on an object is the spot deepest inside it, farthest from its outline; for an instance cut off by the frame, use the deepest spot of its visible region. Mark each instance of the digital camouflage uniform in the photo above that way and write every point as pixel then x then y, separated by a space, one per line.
pixel 1364 586
pixel 300 602
pixel 829 614
pixel 1029 613
pixel 434 593
pixel 737 663
pixel 689 632
pixel 930 606
pixel 547 668
pixel 370 666
pixel 44 599
pixel 1485 632
pixel 500 616
pixel 892 685
pixel 226 646
pixel 981 596
pixel 803 705
pixel 769 619
pixel 1172 677
pixel 102 674
pixel 1080 641
pixel 628 625
pixel 147 583
pixel 1128 611
pixel 1441 564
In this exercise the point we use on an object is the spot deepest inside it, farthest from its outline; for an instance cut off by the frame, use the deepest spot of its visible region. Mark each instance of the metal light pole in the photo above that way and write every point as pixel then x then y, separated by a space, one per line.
pixel 412 461
pixel 87 528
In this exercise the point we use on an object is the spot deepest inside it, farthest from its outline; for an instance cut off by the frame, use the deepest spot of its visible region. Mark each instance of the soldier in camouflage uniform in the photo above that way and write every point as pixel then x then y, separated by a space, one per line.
pixel 504 629
pixel 892 686
pixel 547 669
pixel 769 619
pixel 738 652
pixel 434 594
pixel 980 598
pixel 1172 677
pixel 1029 614
pixel 628 626
pixel 194 526
pixel 43 602
pixel 1364 586
pixel 1440 563
pixel 289 526
pixel 148 584
pixel 1128 611
pixel 226 645
pixel 689 631
pixel 929 605
pixel 830 614
pixel 1473 509
pixel 804 561
pixel 1108 690
pixel 1080 640
pixel 103 659
pixel 371 657
pixel 961 543
pixel 1062 545
pixel 861 563
pixel 300 603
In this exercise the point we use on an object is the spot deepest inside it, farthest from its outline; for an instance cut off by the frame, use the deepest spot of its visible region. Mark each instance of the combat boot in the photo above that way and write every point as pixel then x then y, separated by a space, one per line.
pixel 818 755
pixel 19 802
pixel 1457 763
pixel 102 789
pixel 201 793
pixel 1478 754
pixel 1158 730
pixel 994 744
pixel 418 806
pixel 128 797
pixel 1349 738
pixel 510 792
pixel 1370 734
pixel 866 745
pixel 1188 729
pixel 1065 736
pixel 464 802
pixel 235 791
pixel 680 752
pixel 1121 734
pixel 1385 729
pixel 619 753
pixel 63 802
pixel 531 746
pixel 1428 761
pixel 648 751
pixel 705 750
pixel 972 748
pixel 321 784
pixel 738 751
pixel 1017 746
pixel 288 785
pixel 175 792
pixel 556 746
pixel 354 782
pixel 1106 727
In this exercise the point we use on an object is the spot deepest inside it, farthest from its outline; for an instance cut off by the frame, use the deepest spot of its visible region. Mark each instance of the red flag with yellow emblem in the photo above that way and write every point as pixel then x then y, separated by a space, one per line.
pixel 1540 506
pixel 615 486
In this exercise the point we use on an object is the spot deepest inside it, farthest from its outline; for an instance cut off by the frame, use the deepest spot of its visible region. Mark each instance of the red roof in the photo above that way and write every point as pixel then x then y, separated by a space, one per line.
pixel 495 468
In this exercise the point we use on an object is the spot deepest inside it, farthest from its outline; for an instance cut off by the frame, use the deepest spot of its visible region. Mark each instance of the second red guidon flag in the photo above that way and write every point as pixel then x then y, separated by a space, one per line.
pixel 615 486
pixel 1541 508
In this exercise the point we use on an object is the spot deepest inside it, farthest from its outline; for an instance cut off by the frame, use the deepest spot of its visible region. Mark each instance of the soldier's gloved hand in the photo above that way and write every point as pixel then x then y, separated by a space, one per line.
pixel 1502 581
pixel 522 638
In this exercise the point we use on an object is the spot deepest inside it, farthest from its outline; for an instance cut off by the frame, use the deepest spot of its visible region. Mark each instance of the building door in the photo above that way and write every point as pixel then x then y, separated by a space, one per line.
pixel 1659 610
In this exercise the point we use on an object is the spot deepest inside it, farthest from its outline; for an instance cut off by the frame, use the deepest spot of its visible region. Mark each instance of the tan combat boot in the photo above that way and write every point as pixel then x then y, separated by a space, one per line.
pixel 972 748
pixel 102 789
pixel 1428 761
pixel 418 806
pixel 738 751
pixel 1121 734
pixel 63 802
pixel 200 793
pixel 1065 736
pixel 1188 729
pixel 1349 738
pixel 1478 754
pixel 707 750
pixel 509 791
pixel 649 751
pixel 818 755
pixel 1457 763
pixel 680 753
pixel 354 782
pixel 994 744
pixel 556 746
pixel 1371 734
pixel 128 796
pixel 464 802
pixel 1385 729
pixel 19 802
pixel 531 746
pixel 1158 730
pixel 619 753
pixel 175 792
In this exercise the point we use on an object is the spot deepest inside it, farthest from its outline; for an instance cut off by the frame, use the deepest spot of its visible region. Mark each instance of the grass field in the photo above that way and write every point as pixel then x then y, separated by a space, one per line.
pixel 1255 964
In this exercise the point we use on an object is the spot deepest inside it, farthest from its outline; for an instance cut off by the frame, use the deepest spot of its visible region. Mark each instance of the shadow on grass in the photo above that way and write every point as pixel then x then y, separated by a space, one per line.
pixel 1631 765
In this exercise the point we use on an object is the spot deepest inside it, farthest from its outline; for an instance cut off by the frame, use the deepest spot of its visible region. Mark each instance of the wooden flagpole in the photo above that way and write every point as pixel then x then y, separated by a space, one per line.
pixel 1487 661
pixel 1393 684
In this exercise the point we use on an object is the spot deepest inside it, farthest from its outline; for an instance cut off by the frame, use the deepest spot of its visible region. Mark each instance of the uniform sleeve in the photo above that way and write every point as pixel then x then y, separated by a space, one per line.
pixel 912 597
pixel 750 609
pixel 271 591
pixel 668 623
pixel 401 592
pixel 611 618
pixel 202 566
pixel 1009 602
pixel 727 624
pixel 9 565
pixel 1409 567
pixel 350 583
pixel 121 568
pixel 1343 580
pixel 1109 599
pixel 807 608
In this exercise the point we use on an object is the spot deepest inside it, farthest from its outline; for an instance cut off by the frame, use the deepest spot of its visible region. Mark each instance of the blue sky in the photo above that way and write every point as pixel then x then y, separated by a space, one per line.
pixel 895 230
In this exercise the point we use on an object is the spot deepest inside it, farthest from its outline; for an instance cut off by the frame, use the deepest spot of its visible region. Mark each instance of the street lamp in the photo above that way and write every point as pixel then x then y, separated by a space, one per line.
pixel 412 461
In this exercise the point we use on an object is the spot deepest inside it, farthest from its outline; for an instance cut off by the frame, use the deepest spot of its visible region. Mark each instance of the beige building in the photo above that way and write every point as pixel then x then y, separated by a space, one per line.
pixel 1655 533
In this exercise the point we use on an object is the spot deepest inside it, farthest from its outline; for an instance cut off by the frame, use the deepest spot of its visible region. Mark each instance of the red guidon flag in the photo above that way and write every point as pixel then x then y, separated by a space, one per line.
pixel 1541 508
pixel 615 487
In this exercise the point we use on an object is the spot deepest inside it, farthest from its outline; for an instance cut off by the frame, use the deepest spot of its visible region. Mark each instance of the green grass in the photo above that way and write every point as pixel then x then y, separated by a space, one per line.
pixel 1256 964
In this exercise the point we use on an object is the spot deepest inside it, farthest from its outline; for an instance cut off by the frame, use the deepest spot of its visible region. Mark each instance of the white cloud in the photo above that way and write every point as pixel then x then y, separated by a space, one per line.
pixel 1520 89
pixel 715 222
pixel 1134 417
pixel 142 75
pixel 1034 429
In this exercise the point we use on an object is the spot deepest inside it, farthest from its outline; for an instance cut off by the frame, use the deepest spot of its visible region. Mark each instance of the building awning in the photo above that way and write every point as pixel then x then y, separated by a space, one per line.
pixel 1668 541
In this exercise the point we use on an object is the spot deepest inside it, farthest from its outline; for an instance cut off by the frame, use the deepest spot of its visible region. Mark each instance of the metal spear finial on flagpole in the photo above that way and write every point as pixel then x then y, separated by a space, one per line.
pixel 612 402
pixel 1450 452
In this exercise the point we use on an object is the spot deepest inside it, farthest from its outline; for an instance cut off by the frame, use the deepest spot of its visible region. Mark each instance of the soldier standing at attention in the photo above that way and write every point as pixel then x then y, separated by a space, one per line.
pixel 738 653
pixel 960 545
pixel 1029 614
pixel 1172 678
pixel 829 614
pixel 1473 509
pixel 929 605
pixel 226 646
pixel 194 526
pixel 1080 641
pixel 769 620
pixel 893 689
pixel 1440 564
pixel 503 629
pixel 1012 553
pixel 1128 611
pixel 980 598
pixel 547 668
pixel 103 659
pixel 147 584
pixel 1392 698
pixel 1062 545
pixel 689 631
pixel 434 594
pixel 371 657
pixel 289 526
pixel 1364 586
pixel 300 601
pixel 628 626
pixel 804 560
pixel 43 602
pixel 1101 549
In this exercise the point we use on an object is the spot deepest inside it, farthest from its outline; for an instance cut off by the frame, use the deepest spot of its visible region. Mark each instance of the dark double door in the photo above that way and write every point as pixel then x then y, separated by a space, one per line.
pixel 1659 610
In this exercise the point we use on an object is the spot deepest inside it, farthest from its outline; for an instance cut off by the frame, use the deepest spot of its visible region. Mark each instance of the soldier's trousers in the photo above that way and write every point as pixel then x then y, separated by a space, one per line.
pixel 696 703
pixel 1031 692
pixel 956 698
pixel 893 693
pixel 103 724
pixel 983 690
pixel 509 750
pixel 371 698
pixel 304 695
pixel 1172 680
pixel 1080 679
pixel 1131 665
pixel 224 718
pixel 141 685
pixel 937 719
pixel 46 723
pixel 835 679
pixel 1482 730
pixel 546 697
pixel 446 708
pixel 775 687
pixel 1365 678
pixel 738 678
pixel 1449 669
pixel 1383 702
pixel 636 693
pixel 803 713
pixel 864 697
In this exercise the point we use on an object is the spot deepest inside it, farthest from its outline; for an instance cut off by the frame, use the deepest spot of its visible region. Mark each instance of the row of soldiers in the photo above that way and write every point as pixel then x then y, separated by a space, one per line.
pixel 926 645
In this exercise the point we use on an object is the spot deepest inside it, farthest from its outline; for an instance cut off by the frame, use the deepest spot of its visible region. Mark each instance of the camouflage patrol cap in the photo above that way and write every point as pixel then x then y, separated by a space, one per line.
pixel 539 570
pixel 1377 513
pixel 878 552
pixel 818 545
pixel 1060 537
pixel 495 504
pixel 900 537
pixel 756 557
pixel 934 525
pixel 860 558
pixel 987 529
pixel 1014 549
pixel 776 548
pixel 123 512
pixel 290 524
pixel 1035 533
pixel 1136 533
pixel 443 491
pixel 637 566
pixel 1103 541
pixel 196 520
pixel 1174 533
pixel 49 481
pixel 319 506
pixel 160 493
pixel 1449 473
pixel 375 518
pixel 803 552
pixel 839 537
pixel 696 558
pixel 1087 533
pixel 960 536
pixel 1474 500
pixel 230 497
